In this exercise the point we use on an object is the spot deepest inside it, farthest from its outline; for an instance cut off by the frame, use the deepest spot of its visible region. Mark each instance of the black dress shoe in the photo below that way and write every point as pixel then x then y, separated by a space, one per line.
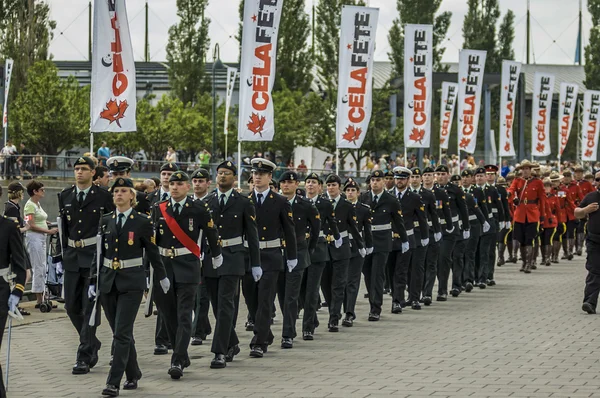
pixel 81 368
pixel 307 336
pixel 334 328
pixel 94 359
pixel 415 305
pixel 482 285
pixel 427 300
pixel 347 322
pixel 589 308
pixel 396 308
pixel 249 326
pixel 373 317
pixel 218 362
pixel 130 384
pixel 231 353
pixel 442 297
pixel 404 304
pixel 176 372
pixel 161 349
pixel 111 391
pixel 256 352
pixel 287 342
pixel 491 282
pixel 454 292
pixel 196 341
pixel 468 287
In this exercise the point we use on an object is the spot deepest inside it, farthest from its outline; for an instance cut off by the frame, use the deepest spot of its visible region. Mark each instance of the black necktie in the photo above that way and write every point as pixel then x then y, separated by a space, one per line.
pixel 222 202
pixel 259 198
pixel 177 208
pixel 374 200
pixel 80 197
pixel 120 222
pixel 165 196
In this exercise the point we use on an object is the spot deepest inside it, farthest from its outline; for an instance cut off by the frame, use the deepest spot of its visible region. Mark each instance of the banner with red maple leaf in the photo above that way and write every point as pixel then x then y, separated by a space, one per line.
pixel 591 125
pixel 543 89
pixel 418 85
pixel 449 94
pixel 566 113
pixel 257 70
pixel 471 65
pixel 511 71
pixel 355 85
pixel 113 96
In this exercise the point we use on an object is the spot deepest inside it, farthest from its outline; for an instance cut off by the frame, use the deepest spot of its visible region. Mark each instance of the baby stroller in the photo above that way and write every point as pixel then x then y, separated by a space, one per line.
pixel 54 274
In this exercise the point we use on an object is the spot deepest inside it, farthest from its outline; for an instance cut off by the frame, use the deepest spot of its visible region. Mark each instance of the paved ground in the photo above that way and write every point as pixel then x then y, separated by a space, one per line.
pixel 525 337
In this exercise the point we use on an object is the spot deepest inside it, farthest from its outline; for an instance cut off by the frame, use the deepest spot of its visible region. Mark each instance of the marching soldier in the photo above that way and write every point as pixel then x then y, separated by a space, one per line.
pixel 529 199
pixel 511 243
pixel 126 234
pixel 585 187
pixel 120 166
pixel 236 223
pixel 550 223
pixel 12 259
pixel 503 232
pixel 575 196
pixel 500 218
pixel 363 223
pixel 307 225
pixel 274 222
pixel 179 221
pixel 564 202
pixel 81 208
pixel 386 216
pixel 390 183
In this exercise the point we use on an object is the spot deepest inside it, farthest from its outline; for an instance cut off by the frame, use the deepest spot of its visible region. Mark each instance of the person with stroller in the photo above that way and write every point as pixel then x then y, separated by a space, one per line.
pixel 35 237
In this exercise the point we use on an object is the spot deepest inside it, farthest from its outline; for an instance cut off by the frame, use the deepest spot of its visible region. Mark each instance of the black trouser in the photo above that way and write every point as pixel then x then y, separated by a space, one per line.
pixel 399 279
pixel 177 306
pixel 446 248
pixel 560 230
pixel 79 308
pixel 250 292
pixel 470 252
pixel 4 294
pixel 525 233
pixel 310 292
pixel 458 263
pixel 201 325
pixel 486 242
pixel 572 226
pixel 326 279
pixel 267 287
pixel 288 291
pixel 335 284
pixel 121 309
pixel 592 280
pixel 547 236
pixel 374 271
pixel 161 337
pixel 224 293
pixel 417 273
pixel 390 266
pixel 431 266
pixel 351 292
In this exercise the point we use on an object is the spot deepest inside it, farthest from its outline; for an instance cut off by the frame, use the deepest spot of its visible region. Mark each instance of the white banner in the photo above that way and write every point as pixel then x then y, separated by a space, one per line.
pixel 257 71
pixel 543 87
pixel 494 154
pixel 589 133
pixel 566 113
pixel 7 73
pixel 508 97
pixel 113 98
pixel 418 85
pixel 471 67
pixel 231 76
pixel 355 87
pixel 449 93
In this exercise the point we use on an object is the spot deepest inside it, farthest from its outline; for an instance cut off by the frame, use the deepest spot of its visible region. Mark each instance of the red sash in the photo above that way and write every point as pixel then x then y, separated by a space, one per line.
pixel 178 232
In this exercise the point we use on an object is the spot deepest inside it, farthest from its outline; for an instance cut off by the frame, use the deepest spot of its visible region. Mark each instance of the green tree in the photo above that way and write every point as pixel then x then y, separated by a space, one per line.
pixel 592 50
pixel 506 37
pixel 51 113
pixel 186 50
pixel 418 12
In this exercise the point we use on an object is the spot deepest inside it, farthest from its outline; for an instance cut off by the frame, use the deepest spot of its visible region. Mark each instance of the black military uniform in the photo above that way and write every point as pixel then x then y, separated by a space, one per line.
pixel 176 223
pixel 80 212
pixel 592 280
pixel 311 282
pixel 487 243
pixel 121 283
pixel 500 216
pixel 120 166
pixel 386 216
pixel 12 258
pixel 236 222
pixel 275 222
pixel 473 196
pixel 363 223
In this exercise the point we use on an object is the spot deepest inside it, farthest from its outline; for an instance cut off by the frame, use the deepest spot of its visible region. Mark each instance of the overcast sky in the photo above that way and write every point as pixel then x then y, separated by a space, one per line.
pixel 554 28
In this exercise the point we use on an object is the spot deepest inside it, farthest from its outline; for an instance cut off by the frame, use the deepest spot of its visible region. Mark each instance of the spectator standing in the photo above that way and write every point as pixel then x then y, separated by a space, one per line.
pixel 171 156
pixel 302 169
pixel 103 153
pixel 24 159
pixel 203 159
pixel 505 168
pixel 8 153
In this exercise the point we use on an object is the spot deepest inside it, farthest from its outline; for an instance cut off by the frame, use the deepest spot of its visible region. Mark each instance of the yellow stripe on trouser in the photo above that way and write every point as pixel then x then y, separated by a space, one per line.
pixel 564 231
pixel 508 233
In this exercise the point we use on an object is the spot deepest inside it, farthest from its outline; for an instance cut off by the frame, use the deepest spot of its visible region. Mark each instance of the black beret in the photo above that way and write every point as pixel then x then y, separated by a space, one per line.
pixel 479 170
pixel 263 165
pixel 416 171
pixel 85 161
pixel 314 176
pixel 455 177
pixel 389 173
pixel 331 178
pixel 229 166
pixel 122 182
pixel 351 184
pixel 274 183
pixel 201 173
pixel 119 163
pixel 169 167
pixel 442 168
pixel 179 176
pixel 378 174
pixel 466 173
pixel 428 169
pixel 289 176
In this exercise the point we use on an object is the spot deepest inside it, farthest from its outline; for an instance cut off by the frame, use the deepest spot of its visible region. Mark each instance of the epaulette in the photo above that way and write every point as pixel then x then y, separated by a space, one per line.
pixel 365 205
pixel 72 187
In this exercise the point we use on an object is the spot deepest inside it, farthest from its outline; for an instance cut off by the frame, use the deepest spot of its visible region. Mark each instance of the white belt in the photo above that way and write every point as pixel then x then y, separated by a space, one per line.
pixel 490 215
pixel 82 242
pixel 410 232
pixel 322 234
pixel 381 227
pixel 430 223
pixel 454 219
pixel 121 264
pixel 270 244
pixel 174 252
pixel 232 241
pixel 473 217
pixel 494 210
pixel 343 234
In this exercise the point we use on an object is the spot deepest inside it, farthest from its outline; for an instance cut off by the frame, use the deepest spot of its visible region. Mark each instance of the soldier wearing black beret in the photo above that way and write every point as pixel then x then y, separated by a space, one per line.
pixel 200 183
pixel 389 180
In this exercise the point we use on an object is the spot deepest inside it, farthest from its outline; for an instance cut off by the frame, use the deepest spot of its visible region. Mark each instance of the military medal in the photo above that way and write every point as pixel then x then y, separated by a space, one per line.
pixel 191 228
pixel 130 241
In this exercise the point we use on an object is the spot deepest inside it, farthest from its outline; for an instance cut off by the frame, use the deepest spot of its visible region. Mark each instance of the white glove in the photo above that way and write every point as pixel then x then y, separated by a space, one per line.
pixel 424 242
pixel 292 264
pixel 91 292
pixel 405 247
pixel 504 224
pixel 369 250
pixel 217 261
pixel 147 283
pixel 467 234
pixel 362 252
pixel 338 243
pixel 256 273
pixel 437 236
pixel 165 284
pixel 13 301
pixel 450 230
pixel 486 227
pixel 202 256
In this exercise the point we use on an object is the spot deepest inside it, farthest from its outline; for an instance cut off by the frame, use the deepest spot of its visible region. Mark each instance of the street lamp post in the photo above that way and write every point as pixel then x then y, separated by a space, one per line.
pixel 216 64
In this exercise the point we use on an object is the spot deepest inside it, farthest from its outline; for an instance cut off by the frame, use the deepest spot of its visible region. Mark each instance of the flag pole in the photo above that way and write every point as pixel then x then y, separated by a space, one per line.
pixel 239 162
pixel 91 143
pixel 337 161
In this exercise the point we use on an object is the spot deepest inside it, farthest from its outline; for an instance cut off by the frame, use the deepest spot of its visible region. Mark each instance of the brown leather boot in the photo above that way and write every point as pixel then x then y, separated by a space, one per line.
pixel 501 247
pixel 555 251
pixel 571 246
pixel 528 259
pixel 524 264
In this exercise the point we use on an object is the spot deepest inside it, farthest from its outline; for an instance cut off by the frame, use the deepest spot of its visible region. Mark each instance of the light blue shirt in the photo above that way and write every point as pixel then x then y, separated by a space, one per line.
pixel 126 213
pixel 85 192
pixel 227 195
pixel 181 203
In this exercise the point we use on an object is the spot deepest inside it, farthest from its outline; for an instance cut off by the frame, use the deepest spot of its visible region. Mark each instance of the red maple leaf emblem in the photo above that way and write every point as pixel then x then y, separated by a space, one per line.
pixel 349 46
pixel 114 112
pixel 256 124
pixel 442 140
pixel 588 153
pixel 507 147
pixel 352 134
pixel 417 135
pixel 465 142
pixel 540 147
pixel 253 18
